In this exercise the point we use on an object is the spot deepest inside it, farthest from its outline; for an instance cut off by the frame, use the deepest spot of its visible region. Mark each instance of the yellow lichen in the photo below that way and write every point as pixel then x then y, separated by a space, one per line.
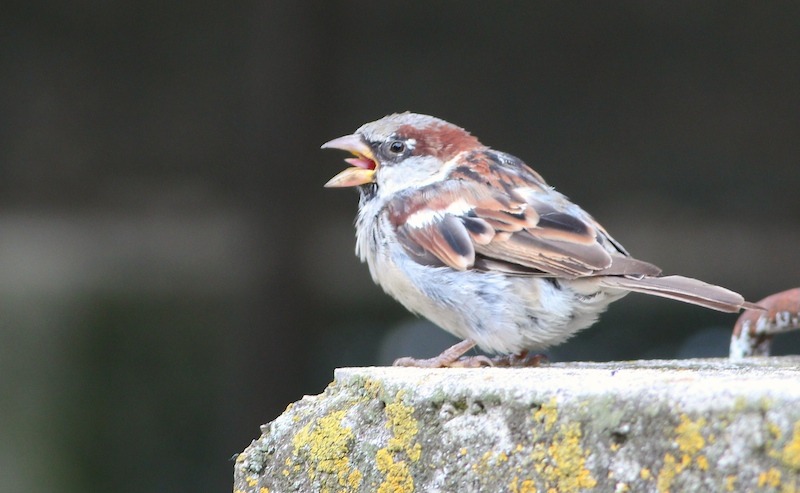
pixel 527 486
pixel 614 447
pixel 667 474
pixel 354 479
pixel 560 461
pixel 730 483
pixel 324 445
pixel 566 468
pixel 789 487
pixel 538 455
pixel 251 481
pixel 688 437
pixel 404 429
pixel 774 430
pixel 263 489
pixel 398 479
pixel 489 462
pixel 645 473
pixel 771 478
pixel 547 414
pixel 791 452
pixel 373 387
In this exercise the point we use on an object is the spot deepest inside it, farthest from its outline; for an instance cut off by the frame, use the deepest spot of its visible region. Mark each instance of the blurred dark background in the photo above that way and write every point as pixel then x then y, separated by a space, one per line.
pixel 173 274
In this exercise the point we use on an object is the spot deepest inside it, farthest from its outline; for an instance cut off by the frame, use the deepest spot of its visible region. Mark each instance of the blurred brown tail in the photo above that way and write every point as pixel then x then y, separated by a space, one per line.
pixel 684 289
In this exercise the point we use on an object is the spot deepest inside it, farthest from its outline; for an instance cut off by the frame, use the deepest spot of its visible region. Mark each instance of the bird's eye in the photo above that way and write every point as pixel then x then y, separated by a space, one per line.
pixel 397 147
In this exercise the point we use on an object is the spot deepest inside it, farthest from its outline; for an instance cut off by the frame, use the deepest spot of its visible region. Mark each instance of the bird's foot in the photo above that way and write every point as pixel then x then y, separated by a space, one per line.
pixel 452 357
pixel 521 359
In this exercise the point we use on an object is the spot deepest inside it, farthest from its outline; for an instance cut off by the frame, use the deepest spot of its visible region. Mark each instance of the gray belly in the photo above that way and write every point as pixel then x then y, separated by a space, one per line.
pixel 502 314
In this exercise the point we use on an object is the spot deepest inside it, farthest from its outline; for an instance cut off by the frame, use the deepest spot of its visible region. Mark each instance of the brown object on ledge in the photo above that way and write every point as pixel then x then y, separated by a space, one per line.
pixel 755 329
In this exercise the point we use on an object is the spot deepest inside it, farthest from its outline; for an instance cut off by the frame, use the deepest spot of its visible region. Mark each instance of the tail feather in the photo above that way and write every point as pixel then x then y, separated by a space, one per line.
pixel 684 289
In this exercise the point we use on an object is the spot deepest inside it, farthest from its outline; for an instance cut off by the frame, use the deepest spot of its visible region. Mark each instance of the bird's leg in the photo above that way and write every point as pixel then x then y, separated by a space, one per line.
pixel 452 357
pixel 522 358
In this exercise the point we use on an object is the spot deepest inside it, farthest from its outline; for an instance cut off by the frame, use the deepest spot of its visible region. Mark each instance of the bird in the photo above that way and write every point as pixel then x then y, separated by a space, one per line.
pixel 477 242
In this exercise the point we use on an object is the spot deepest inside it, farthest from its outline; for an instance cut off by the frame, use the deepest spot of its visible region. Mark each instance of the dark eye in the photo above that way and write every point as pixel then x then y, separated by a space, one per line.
pixel 397 147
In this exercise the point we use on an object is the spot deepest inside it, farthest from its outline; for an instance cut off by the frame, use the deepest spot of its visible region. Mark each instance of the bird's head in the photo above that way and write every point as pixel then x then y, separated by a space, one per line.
pixel 400 151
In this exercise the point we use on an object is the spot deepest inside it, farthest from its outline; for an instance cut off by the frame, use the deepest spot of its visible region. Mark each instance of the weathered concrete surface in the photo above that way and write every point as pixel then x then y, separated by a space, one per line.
pixel 691 425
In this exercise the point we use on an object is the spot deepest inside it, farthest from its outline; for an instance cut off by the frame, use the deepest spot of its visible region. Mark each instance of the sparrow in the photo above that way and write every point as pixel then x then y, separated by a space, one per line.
pixel 477 242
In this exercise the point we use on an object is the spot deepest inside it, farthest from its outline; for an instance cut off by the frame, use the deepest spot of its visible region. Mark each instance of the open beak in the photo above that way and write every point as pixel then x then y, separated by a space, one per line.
pixel 364 163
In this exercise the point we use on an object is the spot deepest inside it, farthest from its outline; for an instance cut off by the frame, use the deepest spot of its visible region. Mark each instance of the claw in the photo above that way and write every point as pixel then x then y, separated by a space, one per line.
pixel 450 358
pixel 521 359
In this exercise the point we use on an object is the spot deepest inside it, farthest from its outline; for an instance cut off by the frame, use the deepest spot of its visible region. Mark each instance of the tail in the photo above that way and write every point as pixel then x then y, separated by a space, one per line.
pixel 684 289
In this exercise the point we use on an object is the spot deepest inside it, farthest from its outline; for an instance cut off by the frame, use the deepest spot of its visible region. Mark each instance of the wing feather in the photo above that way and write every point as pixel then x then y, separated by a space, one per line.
pixel 446 238
pixel 512 223
pixel 683 289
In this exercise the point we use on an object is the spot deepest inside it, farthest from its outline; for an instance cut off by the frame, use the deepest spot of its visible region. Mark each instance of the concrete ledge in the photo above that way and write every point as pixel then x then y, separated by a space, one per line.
pixel 689 425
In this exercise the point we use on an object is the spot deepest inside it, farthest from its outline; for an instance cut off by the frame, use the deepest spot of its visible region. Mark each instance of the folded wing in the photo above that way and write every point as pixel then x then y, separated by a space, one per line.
pixel 512 222
pixel 474 226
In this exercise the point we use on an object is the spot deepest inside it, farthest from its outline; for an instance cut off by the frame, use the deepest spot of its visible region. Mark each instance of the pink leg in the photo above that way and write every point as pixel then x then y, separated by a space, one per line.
pixel 452 357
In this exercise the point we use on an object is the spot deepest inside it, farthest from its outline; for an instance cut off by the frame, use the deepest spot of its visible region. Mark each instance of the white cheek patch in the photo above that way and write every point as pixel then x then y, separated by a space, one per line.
pixel 414 172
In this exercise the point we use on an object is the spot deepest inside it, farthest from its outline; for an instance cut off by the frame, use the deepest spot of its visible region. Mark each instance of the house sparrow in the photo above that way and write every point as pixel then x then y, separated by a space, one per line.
pixel 478 243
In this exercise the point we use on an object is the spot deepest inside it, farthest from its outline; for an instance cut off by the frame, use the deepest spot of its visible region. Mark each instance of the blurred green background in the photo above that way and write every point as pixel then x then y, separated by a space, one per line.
pixel 173 274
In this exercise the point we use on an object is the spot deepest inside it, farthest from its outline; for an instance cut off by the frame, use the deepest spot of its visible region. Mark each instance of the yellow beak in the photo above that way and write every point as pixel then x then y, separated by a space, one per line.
pixel 364 164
